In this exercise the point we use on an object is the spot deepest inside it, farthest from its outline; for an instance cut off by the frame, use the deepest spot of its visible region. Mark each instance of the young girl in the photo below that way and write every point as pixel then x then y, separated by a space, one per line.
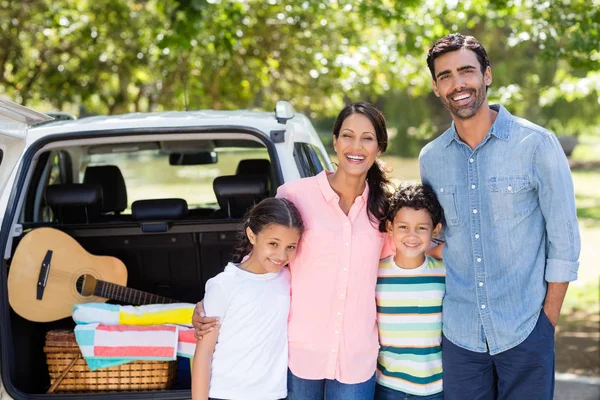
pixel 247 356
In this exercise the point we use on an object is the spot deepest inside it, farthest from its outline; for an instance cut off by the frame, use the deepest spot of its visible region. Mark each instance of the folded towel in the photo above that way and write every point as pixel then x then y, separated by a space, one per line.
pixel 187 342
pixel 153 314
pixel 119 344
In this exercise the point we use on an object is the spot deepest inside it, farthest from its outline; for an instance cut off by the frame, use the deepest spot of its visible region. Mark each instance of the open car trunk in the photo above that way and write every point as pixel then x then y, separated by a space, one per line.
pixel 175 264
pixel 167 251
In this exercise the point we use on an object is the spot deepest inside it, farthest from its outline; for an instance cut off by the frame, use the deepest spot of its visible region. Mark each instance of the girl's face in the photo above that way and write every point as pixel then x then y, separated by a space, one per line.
pixel 273 248
pixel 356 145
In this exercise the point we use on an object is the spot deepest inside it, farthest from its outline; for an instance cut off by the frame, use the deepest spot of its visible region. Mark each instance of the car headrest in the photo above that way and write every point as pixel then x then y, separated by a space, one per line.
pixel 253 166
pixel 113 186
pixel 74 202
pixel 237 193
pixel 159 209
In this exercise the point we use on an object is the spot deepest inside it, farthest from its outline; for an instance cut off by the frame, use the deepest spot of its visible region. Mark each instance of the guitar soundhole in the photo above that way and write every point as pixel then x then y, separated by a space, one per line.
pixel 86 284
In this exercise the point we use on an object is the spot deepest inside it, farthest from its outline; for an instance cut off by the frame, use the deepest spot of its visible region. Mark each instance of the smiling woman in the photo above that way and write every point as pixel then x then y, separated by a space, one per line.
pixel 342 215
pixel 335 269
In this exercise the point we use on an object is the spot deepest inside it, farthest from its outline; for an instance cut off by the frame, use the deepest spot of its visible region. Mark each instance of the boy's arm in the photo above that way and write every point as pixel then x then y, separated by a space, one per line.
pixel 435 251
pixel 202 364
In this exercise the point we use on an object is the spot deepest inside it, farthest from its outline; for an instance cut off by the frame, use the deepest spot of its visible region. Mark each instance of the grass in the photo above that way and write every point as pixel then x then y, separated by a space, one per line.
pixel 584 294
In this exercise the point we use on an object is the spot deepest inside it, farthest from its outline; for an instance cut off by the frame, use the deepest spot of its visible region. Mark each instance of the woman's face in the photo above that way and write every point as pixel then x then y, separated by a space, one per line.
pixel 356 145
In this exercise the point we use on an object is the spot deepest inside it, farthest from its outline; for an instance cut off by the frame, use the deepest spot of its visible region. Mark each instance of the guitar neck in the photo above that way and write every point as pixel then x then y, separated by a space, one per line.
pixel 128 295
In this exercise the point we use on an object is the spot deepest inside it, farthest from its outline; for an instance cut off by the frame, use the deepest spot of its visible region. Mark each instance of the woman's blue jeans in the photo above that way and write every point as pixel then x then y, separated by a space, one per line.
pixel 328 389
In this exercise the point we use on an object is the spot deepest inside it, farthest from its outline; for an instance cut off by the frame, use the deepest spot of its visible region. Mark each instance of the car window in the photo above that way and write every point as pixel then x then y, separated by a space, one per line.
pixel 60 168
pixel 148 174
pixel 309 159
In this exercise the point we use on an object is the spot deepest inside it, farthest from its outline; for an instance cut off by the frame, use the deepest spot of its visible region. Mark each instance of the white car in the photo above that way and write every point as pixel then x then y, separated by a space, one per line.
pixel 161 192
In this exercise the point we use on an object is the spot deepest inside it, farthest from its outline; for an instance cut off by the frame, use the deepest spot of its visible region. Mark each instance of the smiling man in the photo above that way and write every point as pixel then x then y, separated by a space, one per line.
pixel 512 239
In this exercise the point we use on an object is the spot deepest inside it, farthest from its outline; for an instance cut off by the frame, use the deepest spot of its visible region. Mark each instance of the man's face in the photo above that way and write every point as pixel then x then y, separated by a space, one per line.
pixel 460 84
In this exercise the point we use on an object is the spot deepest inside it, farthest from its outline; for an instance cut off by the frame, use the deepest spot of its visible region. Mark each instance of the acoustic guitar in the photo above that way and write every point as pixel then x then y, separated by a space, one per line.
pixel 50 273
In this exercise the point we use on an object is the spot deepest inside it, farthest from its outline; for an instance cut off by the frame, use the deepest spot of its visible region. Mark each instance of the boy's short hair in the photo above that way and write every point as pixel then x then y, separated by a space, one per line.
pixel 418 197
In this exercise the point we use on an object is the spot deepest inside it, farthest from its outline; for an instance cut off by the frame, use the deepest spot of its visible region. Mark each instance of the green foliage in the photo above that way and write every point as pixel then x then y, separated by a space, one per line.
pixel 117 56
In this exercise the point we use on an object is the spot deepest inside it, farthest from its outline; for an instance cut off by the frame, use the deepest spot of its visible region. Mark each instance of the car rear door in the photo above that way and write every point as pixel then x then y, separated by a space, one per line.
pixel 15 121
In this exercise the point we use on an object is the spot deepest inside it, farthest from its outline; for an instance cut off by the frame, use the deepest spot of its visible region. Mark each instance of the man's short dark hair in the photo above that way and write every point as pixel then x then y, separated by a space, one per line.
pixel 454 42
pixel 418 197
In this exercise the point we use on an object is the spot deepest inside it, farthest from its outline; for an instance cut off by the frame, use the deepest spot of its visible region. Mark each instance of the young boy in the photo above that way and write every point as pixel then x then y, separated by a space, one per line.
pixel 410 288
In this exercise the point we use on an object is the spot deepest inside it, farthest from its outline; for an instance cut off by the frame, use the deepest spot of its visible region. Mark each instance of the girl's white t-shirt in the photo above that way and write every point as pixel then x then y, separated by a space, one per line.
pixel 251 356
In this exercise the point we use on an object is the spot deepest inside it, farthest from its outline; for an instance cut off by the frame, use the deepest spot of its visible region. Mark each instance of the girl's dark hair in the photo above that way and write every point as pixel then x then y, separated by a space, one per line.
pixel 418 197
pixel 376 176
pixel 268 211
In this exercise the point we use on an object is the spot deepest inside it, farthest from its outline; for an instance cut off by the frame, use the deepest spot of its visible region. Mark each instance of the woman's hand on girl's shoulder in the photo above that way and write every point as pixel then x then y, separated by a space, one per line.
pixel 202 324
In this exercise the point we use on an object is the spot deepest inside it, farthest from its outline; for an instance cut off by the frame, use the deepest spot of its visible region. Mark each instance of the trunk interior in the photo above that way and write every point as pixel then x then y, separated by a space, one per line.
pixel 167 249
pixel 175 264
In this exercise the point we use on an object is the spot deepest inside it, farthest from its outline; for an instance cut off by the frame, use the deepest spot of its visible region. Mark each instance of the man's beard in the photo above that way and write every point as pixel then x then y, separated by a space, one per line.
pixel 468 111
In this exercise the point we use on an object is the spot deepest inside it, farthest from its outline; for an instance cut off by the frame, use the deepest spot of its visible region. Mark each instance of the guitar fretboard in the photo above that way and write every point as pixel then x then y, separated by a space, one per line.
pixel 128 295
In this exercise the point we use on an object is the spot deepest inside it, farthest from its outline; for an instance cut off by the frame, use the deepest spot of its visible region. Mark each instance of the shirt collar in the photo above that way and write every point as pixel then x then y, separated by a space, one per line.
pixel 328 192
pixel 500 128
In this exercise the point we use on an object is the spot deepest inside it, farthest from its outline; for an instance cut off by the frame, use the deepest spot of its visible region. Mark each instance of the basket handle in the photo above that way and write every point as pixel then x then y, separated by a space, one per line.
pixel 63 374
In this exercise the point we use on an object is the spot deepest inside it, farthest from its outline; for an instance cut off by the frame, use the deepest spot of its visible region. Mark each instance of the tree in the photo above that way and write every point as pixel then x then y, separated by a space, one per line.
pixel 119 56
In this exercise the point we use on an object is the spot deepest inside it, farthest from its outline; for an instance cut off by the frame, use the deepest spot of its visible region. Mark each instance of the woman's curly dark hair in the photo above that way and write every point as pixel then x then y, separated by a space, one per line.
pixel 418 197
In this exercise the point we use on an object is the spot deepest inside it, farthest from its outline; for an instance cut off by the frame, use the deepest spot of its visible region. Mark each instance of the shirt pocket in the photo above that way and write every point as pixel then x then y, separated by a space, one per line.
pixel 511 196
pixel 318 248
pixel 447 198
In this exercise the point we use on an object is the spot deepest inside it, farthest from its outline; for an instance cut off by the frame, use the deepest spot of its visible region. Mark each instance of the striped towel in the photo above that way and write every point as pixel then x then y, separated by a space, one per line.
pixel 110 334
pixel 107 345
pixel 187 342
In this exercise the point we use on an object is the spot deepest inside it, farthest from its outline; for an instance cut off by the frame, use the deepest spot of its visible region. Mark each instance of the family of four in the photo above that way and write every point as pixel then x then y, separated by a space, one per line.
pixel 358 313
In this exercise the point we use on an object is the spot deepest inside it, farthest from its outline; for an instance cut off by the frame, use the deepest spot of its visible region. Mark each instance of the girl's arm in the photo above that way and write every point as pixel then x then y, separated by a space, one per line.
pixel 202 364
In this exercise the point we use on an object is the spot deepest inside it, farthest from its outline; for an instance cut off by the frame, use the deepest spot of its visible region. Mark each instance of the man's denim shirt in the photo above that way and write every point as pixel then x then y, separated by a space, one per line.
pixel 511 226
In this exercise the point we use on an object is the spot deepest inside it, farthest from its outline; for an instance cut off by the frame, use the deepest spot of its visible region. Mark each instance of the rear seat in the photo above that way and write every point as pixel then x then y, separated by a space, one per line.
pixel 165 252
pixel 74 203
pixel 237 193
pixel 255 166
pixel 158 211
pixel 158 260
pixel 113 189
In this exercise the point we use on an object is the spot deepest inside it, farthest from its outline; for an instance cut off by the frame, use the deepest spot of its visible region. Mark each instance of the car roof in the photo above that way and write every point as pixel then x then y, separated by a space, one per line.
pixel 262 121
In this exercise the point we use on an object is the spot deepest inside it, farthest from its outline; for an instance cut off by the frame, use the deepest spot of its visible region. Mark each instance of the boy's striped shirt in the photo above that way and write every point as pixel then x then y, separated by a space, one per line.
pixel 409 318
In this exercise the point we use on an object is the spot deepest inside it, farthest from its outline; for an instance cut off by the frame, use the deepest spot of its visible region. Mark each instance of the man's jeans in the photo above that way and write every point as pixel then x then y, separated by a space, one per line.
pixel 328 389
pixel 385 393
pixel 523 372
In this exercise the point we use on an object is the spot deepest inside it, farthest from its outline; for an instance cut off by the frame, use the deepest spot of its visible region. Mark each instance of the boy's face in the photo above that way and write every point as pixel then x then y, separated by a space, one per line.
pixel 412 231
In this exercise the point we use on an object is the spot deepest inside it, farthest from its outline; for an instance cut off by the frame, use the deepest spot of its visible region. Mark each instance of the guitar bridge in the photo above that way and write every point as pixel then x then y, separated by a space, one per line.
pixel 43 278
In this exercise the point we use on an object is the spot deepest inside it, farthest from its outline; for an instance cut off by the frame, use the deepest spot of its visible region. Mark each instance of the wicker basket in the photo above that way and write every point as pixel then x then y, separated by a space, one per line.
pixel 62 350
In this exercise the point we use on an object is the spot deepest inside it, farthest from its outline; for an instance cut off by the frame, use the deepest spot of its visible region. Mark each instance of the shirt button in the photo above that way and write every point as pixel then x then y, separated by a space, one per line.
pixel 472 186
pixel 337 332
pixel 479 260
pixel 483 306
pixel 347 244
pixel 347 224
pixel 339 313
pixel 475 211
pixel 480 284
pixel 341 295
pixel 345 269
pixel 509 188
pixel 471 160
pixel 477 236
pixel 333 350
pixel 442 190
